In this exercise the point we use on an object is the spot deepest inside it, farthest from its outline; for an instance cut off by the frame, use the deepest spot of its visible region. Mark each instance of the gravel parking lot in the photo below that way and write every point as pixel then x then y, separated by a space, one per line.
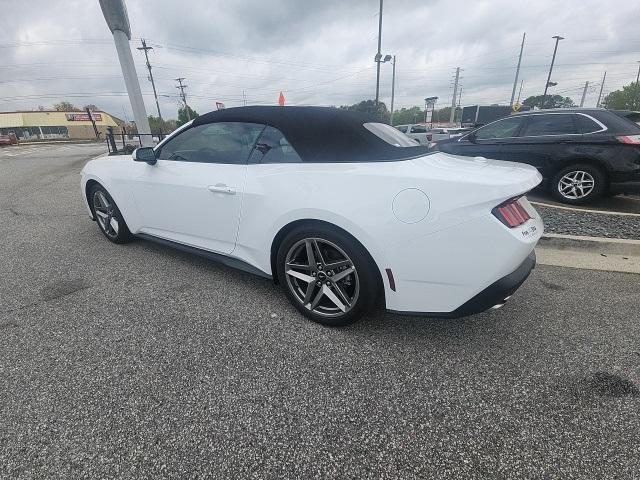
pixel 139 361
pixel 568 222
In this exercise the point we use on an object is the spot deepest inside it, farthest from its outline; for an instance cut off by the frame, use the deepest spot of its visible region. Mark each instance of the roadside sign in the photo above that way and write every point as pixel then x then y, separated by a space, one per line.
pixel 517 107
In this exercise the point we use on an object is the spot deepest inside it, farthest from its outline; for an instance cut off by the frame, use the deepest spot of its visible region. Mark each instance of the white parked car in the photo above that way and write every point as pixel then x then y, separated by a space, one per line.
pixel 417 132
pixel 343 225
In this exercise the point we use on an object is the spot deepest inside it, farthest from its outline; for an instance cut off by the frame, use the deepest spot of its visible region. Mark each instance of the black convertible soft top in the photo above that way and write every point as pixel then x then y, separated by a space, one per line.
pixel 319 134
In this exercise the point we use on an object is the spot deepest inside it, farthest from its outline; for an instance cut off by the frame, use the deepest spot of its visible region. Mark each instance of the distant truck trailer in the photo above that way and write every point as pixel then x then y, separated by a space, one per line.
pixel 477 115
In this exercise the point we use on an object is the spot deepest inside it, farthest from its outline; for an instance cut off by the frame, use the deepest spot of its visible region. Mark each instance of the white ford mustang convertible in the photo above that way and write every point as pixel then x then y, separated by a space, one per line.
pixel 343 212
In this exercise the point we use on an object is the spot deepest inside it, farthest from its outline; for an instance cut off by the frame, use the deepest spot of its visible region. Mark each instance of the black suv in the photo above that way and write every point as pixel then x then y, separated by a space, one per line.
pixel 581 153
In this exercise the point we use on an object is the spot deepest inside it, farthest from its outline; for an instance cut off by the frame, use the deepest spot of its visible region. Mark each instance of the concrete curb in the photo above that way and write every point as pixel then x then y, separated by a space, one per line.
pixel 590 253
pixel 618 246
pixel 58 142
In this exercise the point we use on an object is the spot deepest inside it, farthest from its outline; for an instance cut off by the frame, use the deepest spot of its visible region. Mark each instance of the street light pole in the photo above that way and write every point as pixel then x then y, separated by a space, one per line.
pixel 553 59
pixel 379 54
pixel 115 14
pixel 393 87
pixel 638 75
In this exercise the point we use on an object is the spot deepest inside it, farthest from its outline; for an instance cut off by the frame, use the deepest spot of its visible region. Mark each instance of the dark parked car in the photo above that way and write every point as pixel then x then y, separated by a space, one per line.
pixel 581 153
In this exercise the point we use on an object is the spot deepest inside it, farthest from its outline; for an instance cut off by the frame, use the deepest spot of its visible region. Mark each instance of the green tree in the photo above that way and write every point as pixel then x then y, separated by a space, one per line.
pixel 163 126
pixel 408 115
pixel 552 101
pixel 626 99
pixel 91 107
pixel 183 117
pixel 369 106
pixel 65 107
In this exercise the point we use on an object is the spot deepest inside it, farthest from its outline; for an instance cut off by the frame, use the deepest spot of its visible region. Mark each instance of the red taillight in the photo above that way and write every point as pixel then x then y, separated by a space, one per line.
pixel 511 213
pixel 629 139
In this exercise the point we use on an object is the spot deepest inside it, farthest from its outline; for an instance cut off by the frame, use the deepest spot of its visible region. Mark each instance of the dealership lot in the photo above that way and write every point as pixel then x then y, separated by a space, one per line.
pixel 138 360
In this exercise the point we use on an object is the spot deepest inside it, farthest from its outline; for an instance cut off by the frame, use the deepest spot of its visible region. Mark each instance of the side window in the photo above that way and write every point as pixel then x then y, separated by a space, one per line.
pixel 550 124
pixel 418 129
pixel 403 128
pixel 505 128
pixel 273 147
pixel 222 142
pixel 586 125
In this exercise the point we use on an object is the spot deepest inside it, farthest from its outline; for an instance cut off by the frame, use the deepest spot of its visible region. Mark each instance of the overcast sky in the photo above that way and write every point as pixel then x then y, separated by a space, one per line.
pixel 317 52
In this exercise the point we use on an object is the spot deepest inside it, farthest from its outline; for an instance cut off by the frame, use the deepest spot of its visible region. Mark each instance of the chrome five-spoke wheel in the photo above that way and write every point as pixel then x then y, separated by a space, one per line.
pixel 322 277
pixel 108 216
pixel 576 184
pixel 105 214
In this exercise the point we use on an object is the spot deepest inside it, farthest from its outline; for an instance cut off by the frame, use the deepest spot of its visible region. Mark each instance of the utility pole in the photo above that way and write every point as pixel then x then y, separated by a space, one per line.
pixel 145 49
pixel 584 93
pixel 515 82
pixel 379 54
pixel 393 87
pixel 520 91
pixel 604 77
pixel 553 59
pixel 115 14
pixel 426 105
pixel 181 87
pixel 459 102
pixel 93 122
pixel 638 75
pixel 244 99
pixel 454 97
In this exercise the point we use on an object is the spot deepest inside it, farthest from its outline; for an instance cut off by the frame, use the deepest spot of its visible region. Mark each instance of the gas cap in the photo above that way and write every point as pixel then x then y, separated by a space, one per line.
pixel 411 205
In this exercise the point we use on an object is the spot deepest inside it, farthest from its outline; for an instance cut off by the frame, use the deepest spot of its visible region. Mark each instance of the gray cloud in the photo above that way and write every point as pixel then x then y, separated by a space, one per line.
pixel 317 52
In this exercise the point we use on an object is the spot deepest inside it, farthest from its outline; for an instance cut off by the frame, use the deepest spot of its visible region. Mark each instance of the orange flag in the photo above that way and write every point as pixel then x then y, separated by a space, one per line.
pixel 281 100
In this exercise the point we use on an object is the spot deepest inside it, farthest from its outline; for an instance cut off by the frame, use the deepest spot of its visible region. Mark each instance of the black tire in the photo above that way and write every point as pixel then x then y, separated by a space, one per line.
pixel 590 184
pixel 117 232
pixel 333 245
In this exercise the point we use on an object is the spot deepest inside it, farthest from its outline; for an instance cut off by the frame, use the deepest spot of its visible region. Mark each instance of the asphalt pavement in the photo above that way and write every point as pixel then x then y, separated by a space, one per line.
pixel 139 361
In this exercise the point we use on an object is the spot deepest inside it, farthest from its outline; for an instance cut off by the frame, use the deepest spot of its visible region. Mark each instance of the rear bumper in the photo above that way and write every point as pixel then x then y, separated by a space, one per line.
pixel 494 295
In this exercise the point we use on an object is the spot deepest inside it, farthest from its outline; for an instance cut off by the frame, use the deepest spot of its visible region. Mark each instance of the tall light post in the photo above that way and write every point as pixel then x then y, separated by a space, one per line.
pixel 553 59
pixel 638 75
pixel 115 13
pixel 378 55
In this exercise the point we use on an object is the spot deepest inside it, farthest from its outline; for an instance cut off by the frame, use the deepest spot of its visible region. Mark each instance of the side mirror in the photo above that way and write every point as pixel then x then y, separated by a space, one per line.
pixel 145 154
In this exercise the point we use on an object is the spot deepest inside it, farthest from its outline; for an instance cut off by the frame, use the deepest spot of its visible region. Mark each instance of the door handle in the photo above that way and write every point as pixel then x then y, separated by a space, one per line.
pixel 222 188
